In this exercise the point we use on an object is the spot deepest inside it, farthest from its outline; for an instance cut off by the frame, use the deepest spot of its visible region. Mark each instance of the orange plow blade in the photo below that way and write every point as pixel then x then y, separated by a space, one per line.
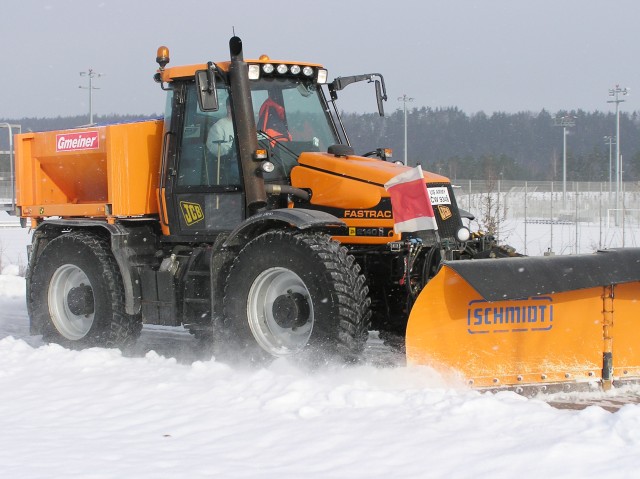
pixel 521 322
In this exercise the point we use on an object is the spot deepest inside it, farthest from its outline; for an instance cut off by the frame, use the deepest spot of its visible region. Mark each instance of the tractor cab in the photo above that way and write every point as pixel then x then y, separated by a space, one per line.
pixel 221 150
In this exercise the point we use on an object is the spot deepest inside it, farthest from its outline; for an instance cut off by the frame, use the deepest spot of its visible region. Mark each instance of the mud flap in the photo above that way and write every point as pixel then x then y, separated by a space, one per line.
pixel 535 321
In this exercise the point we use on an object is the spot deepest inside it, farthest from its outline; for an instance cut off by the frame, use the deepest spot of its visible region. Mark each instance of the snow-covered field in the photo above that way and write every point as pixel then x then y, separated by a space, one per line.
pixel 161 413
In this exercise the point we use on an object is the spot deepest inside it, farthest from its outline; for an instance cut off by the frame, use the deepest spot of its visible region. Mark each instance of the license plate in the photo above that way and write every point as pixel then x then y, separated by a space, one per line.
pixel 439 195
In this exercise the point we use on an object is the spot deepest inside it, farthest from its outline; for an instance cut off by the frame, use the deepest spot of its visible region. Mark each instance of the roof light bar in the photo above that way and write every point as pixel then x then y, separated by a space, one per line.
pixel 256 70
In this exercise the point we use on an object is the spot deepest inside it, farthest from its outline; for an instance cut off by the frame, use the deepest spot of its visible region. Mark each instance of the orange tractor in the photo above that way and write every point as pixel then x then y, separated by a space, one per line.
pixel 246 216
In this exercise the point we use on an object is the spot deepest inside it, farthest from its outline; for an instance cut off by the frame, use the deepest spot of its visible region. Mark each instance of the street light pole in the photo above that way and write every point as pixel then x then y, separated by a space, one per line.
pixel 404 99
pixel 565 122
pixel 610 140
pixel 90 74
pixel 616 92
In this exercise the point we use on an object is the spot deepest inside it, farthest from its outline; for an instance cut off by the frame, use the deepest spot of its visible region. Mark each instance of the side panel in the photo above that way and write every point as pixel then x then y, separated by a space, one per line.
pixel 134 150
pixel 360 205
pixel 336 191
pixel 206 212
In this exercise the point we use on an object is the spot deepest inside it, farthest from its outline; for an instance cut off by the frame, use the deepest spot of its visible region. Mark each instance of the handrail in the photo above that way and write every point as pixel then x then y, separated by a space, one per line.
pixel 10 127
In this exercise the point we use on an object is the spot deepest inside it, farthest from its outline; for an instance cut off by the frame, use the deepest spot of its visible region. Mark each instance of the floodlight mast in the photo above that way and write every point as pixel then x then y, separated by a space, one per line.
pixel 616 92
pixel 404 99
pixel 567 121
pixel 610 140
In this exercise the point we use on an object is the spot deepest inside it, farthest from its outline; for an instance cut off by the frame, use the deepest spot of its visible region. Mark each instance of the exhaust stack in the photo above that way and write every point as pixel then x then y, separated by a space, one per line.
pixel 244 120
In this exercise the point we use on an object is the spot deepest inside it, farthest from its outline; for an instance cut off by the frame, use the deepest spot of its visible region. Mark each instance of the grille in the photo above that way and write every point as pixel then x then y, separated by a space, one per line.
pixel 447 225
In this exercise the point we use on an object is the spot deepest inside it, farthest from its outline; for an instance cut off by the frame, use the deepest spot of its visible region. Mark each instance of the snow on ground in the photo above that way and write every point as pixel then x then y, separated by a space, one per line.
pixel 158 412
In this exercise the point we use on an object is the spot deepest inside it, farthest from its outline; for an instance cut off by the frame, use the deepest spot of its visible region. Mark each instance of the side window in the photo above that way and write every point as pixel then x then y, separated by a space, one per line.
pixel 168 109
pixel 208 153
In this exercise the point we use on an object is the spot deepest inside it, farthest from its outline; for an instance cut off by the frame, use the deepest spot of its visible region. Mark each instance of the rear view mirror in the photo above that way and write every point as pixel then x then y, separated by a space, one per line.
pixel 379 98
pixel 206 87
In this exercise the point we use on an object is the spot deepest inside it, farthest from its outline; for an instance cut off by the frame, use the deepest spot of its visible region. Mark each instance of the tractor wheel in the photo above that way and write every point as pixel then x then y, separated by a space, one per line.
pixel 77 296
pixel 296 293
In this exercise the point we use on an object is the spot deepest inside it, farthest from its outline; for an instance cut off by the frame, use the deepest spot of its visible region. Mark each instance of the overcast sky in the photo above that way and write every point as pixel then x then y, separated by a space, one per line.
pixel 491 55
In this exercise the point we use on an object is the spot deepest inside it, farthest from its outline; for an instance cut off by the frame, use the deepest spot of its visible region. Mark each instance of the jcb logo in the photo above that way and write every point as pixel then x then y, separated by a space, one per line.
pixel 445 212
pixel 192 212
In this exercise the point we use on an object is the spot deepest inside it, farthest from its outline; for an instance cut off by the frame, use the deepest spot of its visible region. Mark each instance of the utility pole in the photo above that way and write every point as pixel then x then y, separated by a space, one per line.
pixel 91 75
pixel 565 122
pixel 404 99
pixel 610 140
pixel 616 92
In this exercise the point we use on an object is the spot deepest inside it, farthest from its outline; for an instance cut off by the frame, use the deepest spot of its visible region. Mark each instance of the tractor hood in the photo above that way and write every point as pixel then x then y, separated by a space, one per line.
pixel 347 181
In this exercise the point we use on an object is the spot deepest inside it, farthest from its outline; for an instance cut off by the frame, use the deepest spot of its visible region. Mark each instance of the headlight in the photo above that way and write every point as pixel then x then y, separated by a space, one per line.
pixel 463 234
pixel 267 68
pixel 322 76
pixel 307 71
pixel 295 69
pixel 267 166
pixel 282 68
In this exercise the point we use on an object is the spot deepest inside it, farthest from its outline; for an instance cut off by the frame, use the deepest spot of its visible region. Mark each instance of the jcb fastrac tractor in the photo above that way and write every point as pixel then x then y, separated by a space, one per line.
pixel 245 215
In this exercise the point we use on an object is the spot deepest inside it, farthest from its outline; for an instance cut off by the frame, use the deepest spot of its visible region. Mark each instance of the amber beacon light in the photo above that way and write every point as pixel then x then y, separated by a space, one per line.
pixel 162 57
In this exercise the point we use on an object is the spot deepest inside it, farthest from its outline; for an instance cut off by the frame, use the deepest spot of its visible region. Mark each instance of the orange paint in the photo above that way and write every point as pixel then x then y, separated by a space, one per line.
pixel 95 172
pixel 559 338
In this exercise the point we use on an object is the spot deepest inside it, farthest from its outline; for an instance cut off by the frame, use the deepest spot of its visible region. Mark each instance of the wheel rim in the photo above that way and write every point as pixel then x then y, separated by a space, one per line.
pixel 280 312
pixel 71 302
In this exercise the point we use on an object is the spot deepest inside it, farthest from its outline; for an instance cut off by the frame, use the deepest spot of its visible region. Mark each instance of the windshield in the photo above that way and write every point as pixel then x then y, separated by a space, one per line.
pixel 290 119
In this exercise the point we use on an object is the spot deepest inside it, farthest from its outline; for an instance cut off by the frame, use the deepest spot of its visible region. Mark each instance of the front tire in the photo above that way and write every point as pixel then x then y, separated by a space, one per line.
pixel 76 294
pixel 290 293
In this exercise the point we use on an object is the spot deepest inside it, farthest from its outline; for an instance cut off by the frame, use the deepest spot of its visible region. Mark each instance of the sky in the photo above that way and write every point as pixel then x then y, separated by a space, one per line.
pixel 491 55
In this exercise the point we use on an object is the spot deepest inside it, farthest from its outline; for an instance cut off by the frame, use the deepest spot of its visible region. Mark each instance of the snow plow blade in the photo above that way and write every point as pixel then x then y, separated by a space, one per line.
pixel 544 323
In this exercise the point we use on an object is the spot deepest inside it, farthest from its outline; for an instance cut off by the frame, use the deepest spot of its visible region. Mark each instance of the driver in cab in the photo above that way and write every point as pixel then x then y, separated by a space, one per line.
pixel 220 136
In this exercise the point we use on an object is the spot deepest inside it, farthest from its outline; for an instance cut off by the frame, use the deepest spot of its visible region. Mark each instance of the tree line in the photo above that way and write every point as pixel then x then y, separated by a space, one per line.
pixel 514 146
pixel 510 146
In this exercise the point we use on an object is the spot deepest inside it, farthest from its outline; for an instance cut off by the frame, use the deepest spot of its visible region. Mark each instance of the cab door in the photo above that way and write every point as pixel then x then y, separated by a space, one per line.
pixel 203 186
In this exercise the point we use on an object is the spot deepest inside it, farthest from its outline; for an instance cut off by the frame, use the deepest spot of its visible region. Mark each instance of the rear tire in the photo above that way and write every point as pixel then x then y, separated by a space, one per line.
pixel 291 293
pixel 77 296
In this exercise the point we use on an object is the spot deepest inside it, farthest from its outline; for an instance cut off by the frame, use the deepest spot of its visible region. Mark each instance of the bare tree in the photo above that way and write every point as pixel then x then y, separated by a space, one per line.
pixel 492 207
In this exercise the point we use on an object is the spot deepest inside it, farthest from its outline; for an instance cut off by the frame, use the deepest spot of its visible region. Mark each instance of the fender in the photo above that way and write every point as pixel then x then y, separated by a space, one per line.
pixel 298 218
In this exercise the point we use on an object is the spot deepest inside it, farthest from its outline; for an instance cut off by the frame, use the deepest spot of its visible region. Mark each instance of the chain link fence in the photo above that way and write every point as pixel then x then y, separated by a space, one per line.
pixel 6 191
pixel 545 217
